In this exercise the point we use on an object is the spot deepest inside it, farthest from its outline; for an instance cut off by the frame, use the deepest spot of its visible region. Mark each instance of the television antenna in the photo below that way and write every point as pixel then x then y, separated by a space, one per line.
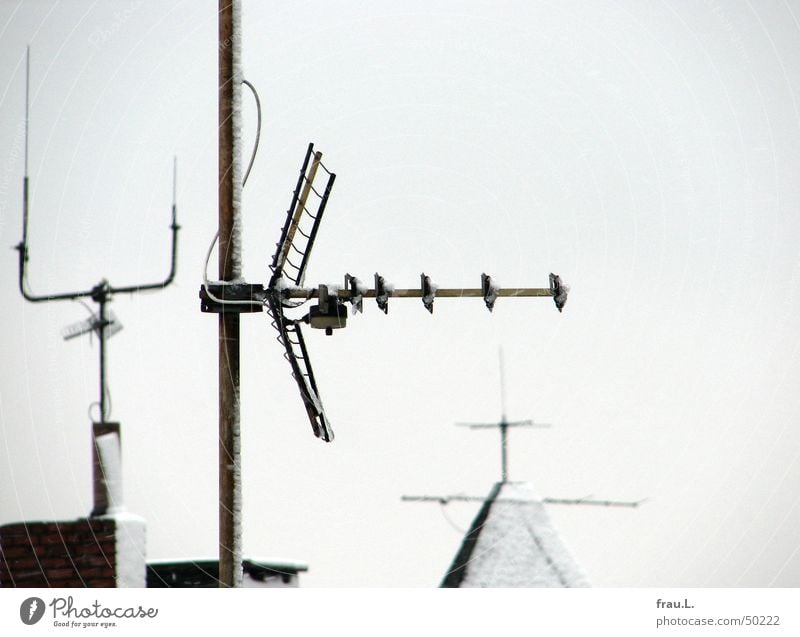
pixel 286 289
pixel 231 296
pixel 102 321
pixel 503 425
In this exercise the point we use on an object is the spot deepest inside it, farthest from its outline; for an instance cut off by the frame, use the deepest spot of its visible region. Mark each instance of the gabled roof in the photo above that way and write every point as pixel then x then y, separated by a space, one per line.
pixel 512 544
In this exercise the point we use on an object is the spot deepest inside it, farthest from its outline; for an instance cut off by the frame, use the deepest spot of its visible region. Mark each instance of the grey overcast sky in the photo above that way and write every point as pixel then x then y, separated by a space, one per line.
pixel 647 151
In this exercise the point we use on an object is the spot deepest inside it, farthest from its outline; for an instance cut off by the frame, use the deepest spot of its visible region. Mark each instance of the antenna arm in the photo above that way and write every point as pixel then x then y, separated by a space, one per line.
pixel 66 296
pixel 22 248
pixel 157 286
pixel 173 260
pixel 587 501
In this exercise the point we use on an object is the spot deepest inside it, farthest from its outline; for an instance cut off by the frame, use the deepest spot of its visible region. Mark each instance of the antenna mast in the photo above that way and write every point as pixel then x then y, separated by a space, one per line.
pixel 230 266
pixel 101 293
pixel 231 296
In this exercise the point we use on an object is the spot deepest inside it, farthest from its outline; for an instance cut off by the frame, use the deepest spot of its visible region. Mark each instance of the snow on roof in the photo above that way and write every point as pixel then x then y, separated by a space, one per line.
pixel 275 563
pixel 204 572
pixel 512 544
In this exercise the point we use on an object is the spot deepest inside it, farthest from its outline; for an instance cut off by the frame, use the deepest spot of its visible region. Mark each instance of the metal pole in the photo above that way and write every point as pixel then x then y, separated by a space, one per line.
pixel 101 329
pixel 504 449
pixel 230 557
pixel 503 424
pixel 99 428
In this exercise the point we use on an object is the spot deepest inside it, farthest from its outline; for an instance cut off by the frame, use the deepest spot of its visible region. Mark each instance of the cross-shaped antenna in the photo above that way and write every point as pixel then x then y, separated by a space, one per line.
pixel 503 425
pixel 101 322
pixel 285 289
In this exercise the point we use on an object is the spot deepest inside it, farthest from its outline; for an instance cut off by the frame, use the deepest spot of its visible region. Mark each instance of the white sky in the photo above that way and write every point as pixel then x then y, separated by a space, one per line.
pixel 646 151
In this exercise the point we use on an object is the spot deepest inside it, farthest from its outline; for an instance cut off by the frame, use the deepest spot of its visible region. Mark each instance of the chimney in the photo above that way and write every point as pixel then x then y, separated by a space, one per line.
pixel 107 469
pixel 107 549
pixel 128 554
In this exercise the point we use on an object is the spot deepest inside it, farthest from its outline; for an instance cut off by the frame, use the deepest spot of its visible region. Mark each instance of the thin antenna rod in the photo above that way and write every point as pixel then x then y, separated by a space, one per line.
pixel 502 387
pixel 23 246
pixel 504 450
pixel 503 424
pixel 27 102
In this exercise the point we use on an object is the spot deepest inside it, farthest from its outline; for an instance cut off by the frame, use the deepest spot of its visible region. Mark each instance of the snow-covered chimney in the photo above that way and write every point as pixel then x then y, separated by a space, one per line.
pixel 107 469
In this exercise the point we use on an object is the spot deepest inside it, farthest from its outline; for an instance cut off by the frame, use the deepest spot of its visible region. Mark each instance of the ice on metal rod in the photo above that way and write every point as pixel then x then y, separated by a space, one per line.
pixel 490 290
pixel 428 291
pixel 559 291
pixel 236 165
pixel 357 291
pixel 382 292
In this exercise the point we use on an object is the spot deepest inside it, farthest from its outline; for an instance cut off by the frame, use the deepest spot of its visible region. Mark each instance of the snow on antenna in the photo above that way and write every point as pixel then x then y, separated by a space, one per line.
pixel 286 290
pixel 102 322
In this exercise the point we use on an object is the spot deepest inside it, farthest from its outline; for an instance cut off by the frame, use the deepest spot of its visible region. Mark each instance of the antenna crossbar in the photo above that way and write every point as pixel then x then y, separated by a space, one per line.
pixel 495 425
pixel 446 499
pixel 602 503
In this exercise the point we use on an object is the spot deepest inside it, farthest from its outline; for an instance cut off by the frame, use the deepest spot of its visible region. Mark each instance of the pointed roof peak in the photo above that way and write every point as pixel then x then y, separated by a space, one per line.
pixel 512 544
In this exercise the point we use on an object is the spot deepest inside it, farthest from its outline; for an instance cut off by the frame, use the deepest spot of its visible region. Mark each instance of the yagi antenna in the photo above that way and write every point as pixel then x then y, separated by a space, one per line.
pixel 102 322
pixel 285 289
